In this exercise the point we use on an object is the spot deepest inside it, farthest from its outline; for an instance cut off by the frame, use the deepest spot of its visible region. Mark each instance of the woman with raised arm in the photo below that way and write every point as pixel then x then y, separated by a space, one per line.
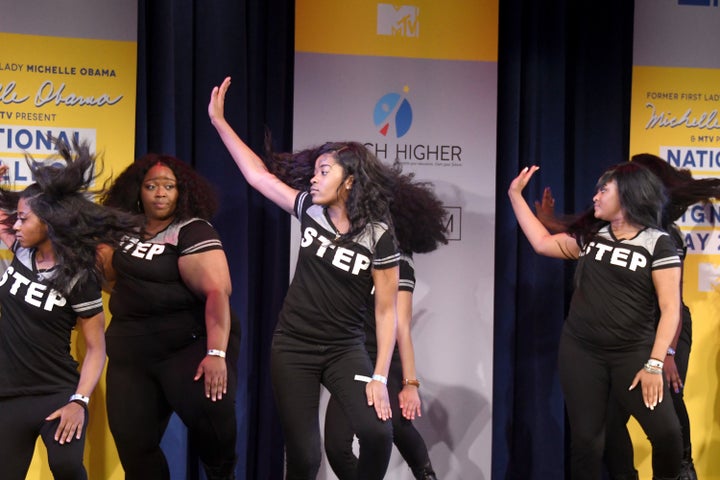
pixel 173 342
pixel 418 218
pixel 627 277
pixel 684 191
pixel 52 286
pixel 347 246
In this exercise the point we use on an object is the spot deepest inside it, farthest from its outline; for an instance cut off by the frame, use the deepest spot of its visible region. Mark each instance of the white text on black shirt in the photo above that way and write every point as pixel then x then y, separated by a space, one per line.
pixel 35 293
pixel 618 255
pixel 143 249
pixel 343 258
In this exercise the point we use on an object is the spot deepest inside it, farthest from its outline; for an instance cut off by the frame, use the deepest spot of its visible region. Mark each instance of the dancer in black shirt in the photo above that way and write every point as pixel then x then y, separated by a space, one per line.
pixel 683 191
pixel 627 277
pixel 52 286
pixel 347 246
pixel 418 216
pixel 173 342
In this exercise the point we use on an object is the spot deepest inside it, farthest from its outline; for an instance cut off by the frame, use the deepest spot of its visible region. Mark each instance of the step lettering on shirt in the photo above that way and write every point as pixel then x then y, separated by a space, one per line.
pixel 342 258
pixel 144 250
pixel 619 256
pixel 33 293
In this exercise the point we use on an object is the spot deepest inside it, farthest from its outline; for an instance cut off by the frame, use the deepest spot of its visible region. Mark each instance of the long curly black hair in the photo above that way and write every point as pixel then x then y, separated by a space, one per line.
pixel 416 213
pixel 369 199
pixel 681 188
pixel 196 197
pixel 61 199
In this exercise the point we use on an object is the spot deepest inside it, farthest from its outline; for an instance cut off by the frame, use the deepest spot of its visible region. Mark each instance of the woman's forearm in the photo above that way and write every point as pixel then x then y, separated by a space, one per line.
pixel 217 320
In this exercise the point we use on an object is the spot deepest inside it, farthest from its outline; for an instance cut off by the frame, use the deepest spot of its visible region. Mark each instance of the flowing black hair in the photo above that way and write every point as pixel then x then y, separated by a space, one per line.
pixel 418 215
pixel 368 200
pixel 642 196
pixel 61 199
pixel 683 189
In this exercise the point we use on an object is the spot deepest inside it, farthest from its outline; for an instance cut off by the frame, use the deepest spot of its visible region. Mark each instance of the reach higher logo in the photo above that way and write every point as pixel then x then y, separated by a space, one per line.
pixel 393 119
pixel 393 114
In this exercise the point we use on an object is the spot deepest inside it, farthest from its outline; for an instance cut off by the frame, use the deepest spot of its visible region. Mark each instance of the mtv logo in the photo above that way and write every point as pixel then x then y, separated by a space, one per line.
pixel 402 20
pixel 708 277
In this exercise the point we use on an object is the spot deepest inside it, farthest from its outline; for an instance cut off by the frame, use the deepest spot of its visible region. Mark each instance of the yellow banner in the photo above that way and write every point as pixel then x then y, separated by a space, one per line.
pixel 65 87
pixel 69 88
pixel 677 108
pixel 675 115
pixel 448 30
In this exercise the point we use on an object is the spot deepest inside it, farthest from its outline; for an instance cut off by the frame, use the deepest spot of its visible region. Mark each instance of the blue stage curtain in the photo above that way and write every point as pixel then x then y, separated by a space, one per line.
pixel 563 103
pixel 184 49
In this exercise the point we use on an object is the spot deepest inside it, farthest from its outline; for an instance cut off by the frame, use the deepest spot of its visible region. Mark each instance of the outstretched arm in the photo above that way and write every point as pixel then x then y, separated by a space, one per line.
pixel 251 166
pixel 560 245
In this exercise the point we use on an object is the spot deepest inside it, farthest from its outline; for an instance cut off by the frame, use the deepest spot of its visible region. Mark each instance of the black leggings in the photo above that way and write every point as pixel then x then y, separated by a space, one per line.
pixel 588 377
pixel 298 368
pixel 143 390
pixel 23 420
pixel 339 433
pixel 619 455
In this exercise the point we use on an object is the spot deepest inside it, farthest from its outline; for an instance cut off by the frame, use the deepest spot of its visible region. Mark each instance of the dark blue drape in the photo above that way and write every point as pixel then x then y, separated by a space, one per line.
pixel 563 103
pixel 185 48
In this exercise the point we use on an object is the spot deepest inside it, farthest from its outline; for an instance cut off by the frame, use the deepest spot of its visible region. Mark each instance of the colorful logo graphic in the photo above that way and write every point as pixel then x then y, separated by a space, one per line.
pixel 393 114
pixel 402 21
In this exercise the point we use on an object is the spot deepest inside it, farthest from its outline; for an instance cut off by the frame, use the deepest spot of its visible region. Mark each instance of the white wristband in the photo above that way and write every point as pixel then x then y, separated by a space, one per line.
pixel 216 353
pixel 654 363
pixel 380 378
pixel 82 398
